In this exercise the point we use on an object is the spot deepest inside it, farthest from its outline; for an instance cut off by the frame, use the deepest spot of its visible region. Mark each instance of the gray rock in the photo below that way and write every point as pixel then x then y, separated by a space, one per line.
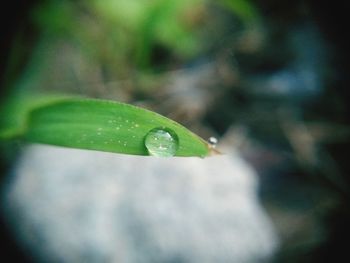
pixel 70 205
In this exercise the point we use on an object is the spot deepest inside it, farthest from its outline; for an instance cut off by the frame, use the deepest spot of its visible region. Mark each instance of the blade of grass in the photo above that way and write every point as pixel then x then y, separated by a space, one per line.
pixel 105 126
pixel 15 109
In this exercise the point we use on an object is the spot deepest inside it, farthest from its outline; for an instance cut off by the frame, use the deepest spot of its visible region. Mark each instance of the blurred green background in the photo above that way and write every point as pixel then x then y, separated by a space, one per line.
pixel 266 77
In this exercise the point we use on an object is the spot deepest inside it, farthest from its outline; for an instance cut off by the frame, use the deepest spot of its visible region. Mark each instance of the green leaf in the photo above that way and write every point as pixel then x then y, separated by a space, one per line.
pixel 15 109
pixel 109 126
pixel 244 9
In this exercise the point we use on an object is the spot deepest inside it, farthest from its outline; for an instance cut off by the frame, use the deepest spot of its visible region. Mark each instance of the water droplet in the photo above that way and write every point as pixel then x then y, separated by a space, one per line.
pixel 213 142
pixel 161 142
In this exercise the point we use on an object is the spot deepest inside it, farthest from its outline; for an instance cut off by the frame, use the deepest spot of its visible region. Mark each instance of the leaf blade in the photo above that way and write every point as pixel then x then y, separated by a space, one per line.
pixel 105 126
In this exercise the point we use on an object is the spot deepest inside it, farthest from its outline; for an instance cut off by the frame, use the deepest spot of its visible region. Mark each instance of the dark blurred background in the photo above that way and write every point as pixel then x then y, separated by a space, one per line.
pixel 269 76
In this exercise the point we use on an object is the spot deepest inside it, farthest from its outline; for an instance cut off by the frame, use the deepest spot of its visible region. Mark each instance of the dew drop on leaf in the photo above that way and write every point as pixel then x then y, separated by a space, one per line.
pixel 161 142
pixel 213 142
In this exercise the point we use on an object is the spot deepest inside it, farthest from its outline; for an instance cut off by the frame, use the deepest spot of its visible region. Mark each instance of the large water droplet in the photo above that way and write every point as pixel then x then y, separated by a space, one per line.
pixel 161 142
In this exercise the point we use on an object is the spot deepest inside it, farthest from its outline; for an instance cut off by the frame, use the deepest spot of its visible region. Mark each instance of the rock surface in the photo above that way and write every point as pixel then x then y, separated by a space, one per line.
pixel 70 205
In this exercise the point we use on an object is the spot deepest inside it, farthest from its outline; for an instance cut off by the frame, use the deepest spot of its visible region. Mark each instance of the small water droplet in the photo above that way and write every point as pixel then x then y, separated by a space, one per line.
pixel 161 142
pixel 213 141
